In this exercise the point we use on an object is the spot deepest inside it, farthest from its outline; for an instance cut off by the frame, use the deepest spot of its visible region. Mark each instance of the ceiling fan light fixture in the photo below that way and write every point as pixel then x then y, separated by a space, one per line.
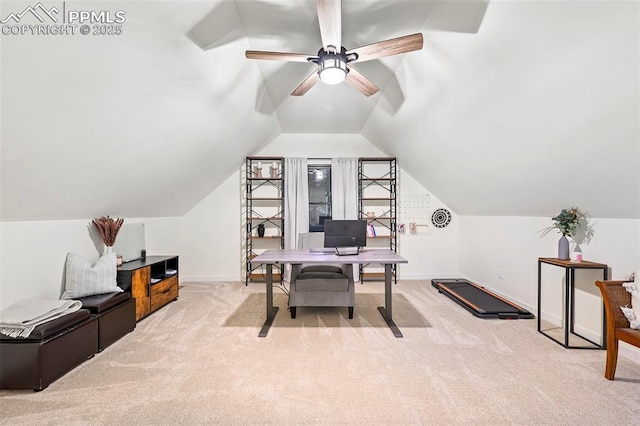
pixel 332 58
pixel 332 69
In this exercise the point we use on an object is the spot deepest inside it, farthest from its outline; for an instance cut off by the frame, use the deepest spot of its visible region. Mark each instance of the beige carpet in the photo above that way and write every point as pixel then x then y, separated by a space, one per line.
pixel 199 361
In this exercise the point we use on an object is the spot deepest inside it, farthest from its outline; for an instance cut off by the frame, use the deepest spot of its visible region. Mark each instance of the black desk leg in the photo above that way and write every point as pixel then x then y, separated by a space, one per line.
pixel 387 311
pixel 271 311
pixel 567 291
pixel 539 295
pixel 573 299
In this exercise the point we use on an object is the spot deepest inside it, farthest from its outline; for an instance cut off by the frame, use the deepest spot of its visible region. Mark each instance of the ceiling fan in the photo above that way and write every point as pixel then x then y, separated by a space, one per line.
pixel 333 60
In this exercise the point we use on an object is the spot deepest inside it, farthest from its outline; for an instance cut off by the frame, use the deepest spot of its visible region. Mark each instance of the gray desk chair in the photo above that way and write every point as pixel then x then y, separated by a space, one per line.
pixel 320 285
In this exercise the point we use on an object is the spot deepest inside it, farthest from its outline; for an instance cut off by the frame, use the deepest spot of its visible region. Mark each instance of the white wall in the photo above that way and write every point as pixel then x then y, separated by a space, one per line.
pixel 432 252
pixel 512 245
pixel 34 253
pixel 212 235
pixel 213 228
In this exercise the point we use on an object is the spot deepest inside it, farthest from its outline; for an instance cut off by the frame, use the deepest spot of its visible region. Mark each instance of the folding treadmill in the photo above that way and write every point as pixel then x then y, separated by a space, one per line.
pixel 479 301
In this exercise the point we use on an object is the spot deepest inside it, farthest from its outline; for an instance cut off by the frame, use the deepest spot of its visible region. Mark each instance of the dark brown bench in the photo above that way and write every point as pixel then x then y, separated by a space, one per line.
pixel 51 350
pixel 116 315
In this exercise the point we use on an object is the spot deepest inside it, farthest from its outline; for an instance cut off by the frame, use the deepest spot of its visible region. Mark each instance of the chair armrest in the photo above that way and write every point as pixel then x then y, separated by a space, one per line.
pixel 296 269
pixel 347 270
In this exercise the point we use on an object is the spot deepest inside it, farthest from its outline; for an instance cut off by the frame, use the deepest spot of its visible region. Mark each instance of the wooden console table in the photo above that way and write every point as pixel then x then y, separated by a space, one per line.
pixel 569 300
pixel 153 282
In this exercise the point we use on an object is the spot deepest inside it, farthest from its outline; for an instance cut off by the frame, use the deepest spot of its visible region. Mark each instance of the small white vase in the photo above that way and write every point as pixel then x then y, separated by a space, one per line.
pixel 107 250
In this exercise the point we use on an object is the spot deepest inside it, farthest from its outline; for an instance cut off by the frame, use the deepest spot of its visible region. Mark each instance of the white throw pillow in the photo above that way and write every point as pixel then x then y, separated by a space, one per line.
pixel 83 279
pixel 632 313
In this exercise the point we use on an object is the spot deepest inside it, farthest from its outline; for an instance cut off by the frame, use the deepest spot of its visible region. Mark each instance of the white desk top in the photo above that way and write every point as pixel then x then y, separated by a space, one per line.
pixel 384 256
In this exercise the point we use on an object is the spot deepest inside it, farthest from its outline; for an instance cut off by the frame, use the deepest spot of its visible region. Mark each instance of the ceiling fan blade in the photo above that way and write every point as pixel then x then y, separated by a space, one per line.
pixel 330 19
pixel 277 56
pixel 306 84
pixel 390 47
pixel 360 82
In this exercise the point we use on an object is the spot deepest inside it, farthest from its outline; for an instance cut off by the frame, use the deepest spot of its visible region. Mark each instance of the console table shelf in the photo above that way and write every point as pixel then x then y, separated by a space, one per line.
pixel 569 301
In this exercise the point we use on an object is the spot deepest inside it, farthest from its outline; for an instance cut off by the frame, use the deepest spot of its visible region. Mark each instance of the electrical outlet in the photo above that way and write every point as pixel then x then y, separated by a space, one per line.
pixel 500 274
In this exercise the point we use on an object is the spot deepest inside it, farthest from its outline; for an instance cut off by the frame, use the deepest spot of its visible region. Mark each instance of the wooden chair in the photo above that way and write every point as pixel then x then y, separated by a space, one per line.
pixel 614 296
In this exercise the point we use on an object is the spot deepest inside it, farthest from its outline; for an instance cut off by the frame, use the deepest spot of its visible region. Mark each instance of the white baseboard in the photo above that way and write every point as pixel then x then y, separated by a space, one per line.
pixel 630 352
pixel 207 278
pixel 227 278
pixel 589 334
pixel 403 276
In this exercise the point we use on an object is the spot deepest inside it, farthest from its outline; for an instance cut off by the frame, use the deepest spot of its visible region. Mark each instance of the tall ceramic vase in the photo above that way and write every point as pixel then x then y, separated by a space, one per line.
pixel 563 248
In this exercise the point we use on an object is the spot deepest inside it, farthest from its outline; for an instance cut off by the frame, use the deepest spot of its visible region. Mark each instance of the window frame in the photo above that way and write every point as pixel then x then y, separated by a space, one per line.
pixel 314 206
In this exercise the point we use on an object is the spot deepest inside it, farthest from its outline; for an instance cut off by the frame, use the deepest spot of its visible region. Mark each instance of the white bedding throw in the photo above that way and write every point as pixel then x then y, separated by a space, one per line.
pixel 19 319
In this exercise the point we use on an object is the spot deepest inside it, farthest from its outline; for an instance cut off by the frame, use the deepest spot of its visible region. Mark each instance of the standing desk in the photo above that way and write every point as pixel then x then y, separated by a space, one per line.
pixel 385 257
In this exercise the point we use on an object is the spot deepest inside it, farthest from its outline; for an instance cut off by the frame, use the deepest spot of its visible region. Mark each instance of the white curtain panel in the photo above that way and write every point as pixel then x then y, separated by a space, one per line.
pixel 296 203
pixel 344 188
pixel 344 193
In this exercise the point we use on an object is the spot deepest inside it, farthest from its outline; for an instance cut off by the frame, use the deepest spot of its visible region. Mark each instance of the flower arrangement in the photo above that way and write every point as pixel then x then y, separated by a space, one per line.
pixel 108 228
pixel 567 222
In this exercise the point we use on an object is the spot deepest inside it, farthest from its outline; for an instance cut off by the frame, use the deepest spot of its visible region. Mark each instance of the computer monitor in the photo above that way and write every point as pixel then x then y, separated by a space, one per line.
pixel 346 236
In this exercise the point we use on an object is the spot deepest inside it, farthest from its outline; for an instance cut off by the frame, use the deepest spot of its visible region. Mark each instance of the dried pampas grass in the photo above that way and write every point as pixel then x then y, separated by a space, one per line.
pixel 108 228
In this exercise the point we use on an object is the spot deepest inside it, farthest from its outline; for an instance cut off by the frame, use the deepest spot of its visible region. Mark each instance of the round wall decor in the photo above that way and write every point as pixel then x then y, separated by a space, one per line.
pixel 441 218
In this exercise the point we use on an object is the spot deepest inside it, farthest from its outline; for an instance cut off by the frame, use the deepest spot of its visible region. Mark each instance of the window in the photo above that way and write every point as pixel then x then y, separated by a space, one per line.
pixel 319 196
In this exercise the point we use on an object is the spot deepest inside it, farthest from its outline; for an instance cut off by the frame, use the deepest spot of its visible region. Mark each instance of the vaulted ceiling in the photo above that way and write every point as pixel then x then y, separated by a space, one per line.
pixel 292 26
pixel 511 107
